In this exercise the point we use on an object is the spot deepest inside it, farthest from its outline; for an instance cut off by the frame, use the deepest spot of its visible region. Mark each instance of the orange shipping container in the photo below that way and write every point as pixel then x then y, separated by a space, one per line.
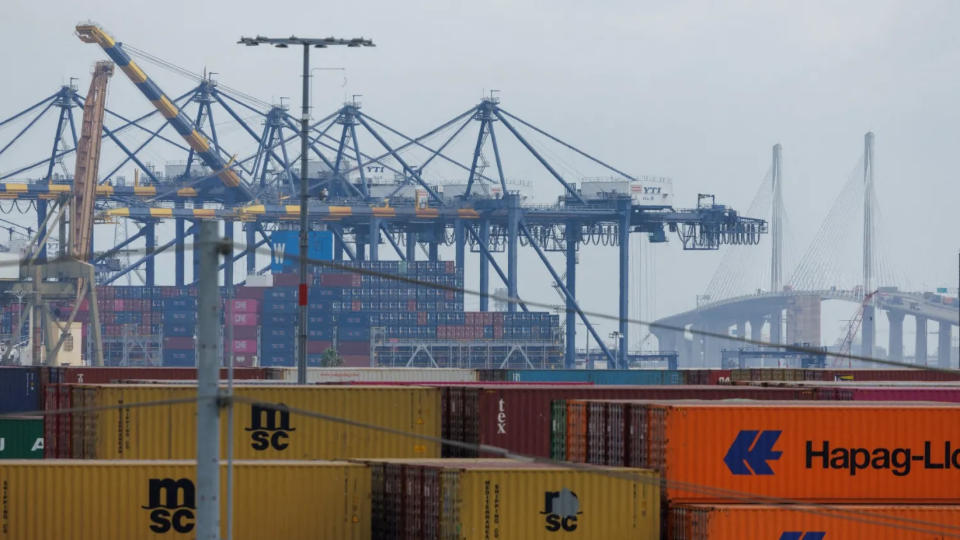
pixel 742 522
pixel 846 452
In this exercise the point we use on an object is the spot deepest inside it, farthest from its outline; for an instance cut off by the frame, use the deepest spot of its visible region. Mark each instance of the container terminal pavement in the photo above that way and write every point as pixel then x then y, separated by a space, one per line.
pixel 679 455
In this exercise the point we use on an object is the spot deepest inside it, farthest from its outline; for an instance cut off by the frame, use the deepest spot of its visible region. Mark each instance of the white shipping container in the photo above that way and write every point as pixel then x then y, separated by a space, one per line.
pixel 322 375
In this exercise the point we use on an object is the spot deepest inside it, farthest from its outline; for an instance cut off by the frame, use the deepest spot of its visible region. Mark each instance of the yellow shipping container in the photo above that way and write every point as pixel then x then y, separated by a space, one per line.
pixel 483 502
pixel 146 500
pixel 169 431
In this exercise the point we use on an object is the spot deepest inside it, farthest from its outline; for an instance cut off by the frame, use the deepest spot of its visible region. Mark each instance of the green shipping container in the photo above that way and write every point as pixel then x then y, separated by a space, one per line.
pixel 558 430
pixel 21 437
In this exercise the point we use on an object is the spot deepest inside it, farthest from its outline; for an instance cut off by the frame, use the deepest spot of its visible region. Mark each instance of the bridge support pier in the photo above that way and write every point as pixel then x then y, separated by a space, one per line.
pixel 896 335
pixel 920 350
pixel 776 327
pixel 697 348
pixel 944 345
pixel 756 329
pixel 869 332
pixel 686 351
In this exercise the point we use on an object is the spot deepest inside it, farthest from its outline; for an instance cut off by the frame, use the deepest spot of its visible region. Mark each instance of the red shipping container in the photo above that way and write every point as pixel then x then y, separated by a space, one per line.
pixel 107 375
pixel 357 305
pixel 857 375
pixel 85 305
pixel 83 317
pixel 354 347
pixel 246 305
pixel 318 347
pixel 411 305
pixel 487 318
pixel 469 317
pixel 245 319
pixel 518 417
pixel 242 332
pixel 449 296
pixel 179 343
pixel 498 317
pixel 361 360
pixel 441 332
pixel 497 332
pixel 169 292
pixel 250 293
pixel 107 293
pixel 243 346
pixel 244 361
pixel 117 306
pixel 421 318
pixel 286 280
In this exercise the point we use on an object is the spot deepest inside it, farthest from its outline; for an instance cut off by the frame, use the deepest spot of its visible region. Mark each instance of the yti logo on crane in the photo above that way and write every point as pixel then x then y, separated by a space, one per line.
pixel 751 451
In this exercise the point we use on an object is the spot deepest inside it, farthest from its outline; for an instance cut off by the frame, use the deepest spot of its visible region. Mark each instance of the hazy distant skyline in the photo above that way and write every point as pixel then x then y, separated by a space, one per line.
pixel 696 91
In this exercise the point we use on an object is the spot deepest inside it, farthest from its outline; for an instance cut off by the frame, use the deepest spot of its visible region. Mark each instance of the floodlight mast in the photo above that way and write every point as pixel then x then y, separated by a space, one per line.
pixel 306 43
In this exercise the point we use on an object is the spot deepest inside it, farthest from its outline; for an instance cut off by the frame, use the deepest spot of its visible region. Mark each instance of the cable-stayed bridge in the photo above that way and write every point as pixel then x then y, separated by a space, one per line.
pixel 779 295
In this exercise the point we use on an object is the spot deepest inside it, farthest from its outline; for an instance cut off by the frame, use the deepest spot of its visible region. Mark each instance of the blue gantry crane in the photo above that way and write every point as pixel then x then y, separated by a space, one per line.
pixel 478 212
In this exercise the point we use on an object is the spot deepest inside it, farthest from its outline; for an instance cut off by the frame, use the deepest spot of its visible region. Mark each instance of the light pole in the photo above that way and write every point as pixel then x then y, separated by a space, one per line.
pixel 306 43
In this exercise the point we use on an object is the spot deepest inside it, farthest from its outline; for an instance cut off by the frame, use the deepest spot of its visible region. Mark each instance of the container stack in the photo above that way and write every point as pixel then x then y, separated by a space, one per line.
pixel 721 462
pixel 243 327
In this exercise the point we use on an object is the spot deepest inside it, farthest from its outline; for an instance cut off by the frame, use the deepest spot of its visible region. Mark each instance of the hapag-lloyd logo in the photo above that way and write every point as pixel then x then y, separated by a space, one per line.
pixel 753 452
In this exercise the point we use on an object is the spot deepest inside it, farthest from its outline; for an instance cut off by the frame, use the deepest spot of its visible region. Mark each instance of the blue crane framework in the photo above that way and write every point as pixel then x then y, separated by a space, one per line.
pixel 261 192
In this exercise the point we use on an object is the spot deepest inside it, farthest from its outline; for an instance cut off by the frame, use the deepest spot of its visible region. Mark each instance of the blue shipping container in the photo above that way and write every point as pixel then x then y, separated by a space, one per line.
pixel 181 317
pixel 182 303
pixel 20 389
pixel 186 358
pixel 274 346
pixel 279 319
pixel 278 360
pixel 279 306
pixel 176 329
pixel 278 332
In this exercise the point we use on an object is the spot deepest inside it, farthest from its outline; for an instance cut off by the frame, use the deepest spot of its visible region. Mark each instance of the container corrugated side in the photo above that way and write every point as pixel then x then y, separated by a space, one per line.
pixel 106 375
pixel 21 437
pixel 518 418
pixel 539 503
pixel 738 522
pixel 20 390
pixel 169 432
pixel 839 452
pixel 322 375
pixel 130 500
pixel 598 376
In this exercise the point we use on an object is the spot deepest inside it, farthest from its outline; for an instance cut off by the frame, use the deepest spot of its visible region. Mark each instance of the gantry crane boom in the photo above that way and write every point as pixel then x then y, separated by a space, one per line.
pixel 90 33
pixel 88 163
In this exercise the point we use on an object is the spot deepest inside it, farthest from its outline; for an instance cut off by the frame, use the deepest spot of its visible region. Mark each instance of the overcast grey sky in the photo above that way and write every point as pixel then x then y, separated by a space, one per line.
pixel 697 91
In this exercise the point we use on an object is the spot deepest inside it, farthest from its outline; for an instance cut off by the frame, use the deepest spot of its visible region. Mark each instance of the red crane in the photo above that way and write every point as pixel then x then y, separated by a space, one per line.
pixel 852 328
